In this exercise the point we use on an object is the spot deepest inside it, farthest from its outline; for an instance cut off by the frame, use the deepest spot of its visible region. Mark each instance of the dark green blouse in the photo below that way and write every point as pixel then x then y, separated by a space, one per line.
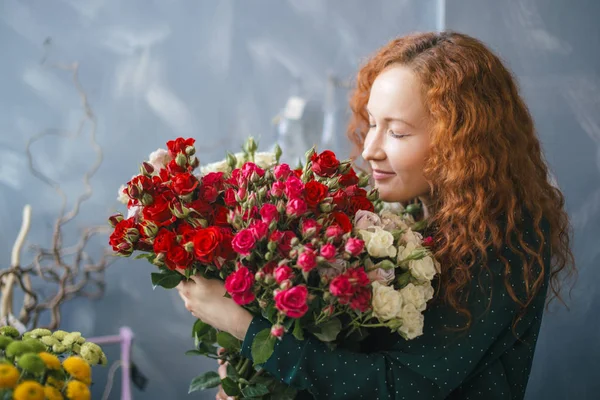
pixel 485 362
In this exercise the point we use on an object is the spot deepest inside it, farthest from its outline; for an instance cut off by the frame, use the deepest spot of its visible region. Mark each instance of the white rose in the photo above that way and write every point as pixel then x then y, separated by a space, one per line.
pixel 423 269
pixel 264 159
pixel 387 302
pixel 122 197
pixel 405 252
pixel 219 166
pixel 412 322
pixel 417 295
pixel 381 243
pixel 412 237
pixel 134 212
pixel 159 159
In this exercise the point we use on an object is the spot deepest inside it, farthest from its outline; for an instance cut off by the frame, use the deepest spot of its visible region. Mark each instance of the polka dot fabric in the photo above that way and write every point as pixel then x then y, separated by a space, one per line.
pixel 486 362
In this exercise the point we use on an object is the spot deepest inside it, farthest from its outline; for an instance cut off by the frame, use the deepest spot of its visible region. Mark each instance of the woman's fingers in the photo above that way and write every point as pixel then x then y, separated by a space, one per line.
pixel 223 370
pixel 219 353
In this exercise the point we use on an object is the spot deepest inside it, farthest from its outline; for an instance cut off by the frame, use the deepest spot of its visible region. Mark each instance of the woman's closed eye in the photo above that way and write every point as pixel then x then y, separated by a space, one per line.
pixel 396 135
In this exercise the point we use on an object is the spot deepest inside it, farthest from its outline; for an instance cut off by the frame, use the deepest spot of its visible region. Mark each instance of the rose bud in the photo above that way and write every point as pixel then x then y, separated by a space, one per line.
pixel 259 276
pixel 285 284
pixel 146 169
pixel 115 219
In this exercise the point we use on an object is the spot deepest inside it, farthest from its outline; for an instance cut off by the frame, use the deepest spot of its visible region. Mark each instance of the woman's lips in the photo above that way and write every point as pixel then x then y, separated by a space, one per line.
pixel 380 175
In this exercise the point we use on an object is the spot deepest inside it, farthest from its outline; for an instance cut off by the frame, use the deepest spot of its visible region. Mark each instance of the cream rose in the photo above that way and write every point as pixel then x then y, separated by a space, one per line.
pixel 405 252
pixel 264 159
pixel 379 243
pixel 411 237
pixel 387 302
pixel 122 197
pixel 417 295
pixel 219 166
pixel 159 159
pixel 412 322
pixel 423 269
pixel 364 219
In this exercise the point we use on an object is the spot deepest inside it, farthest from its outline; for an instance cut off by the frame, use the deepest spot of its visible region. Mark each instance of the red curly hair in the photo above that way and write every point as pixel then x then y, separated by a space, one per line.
pixel 485 161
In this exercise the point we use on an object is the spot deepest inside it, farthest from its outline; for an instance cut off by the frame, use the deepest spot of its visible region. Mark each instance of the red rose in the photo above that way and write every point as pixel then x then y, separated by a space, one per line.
pixel 159 211
pixel 360 203
pixel 200 206
pixel 179 145
pixel 269 213
pixel 349 179
pixel 342 220
pixel 230 199
pixel 298 172
pixel 315 192
pixel 358 276
pixel 220 216
pixel 292 302
pixel 139 185
pixel 341 287
pixel 174 169
pixel 235 179
pixel 206 243
pixel 239 286
pixel 214 179
pixel 164 241
pixel 244 242
pixel 178 257
pixel 354 190
pixel 209 193
pixel 269 267
pixel 340 199
pixel 283 240
pixel 184 183
pixel 225 251
pixel 361 300
pixel 282 273
pixel 428 241
pixel 124 234
pixel 325 164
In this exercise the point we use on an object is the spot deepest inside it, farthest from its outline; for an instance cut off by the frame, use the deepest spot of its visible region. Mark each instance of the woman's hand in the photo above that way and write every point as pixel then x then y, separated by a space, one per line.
pixel 204 298
pixel 221 395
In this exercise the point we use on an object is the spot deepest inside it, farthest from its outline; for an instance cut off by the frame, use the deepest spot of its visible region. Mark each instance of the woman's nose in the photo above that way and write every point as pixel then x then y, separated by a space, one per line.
pixel 372 149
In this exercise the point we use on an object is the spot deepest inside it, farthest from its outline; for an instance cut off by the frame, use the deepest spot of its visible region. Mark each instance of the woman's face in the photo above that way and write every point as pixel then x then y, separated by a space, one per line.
pixel 397 143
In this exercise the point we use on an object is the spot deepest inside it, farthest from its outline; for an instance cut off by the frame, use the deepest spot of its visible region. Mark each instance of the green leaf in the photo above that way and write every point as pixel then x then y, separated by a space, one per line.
pixel 232 372
pixel 206 381
pixel 194 353
pixel 228 342
pixel 298 334
pixel 329 330
pixel 255 390
pixel 143 255
pixel 263 346
pixel 230 387
pixel 200 329
pixel 166 280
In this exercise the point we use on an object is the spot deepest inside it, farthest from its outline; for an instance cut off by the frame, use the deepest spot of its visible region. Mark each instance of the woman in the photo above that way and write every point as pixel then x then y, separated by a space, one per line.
pixel 439 118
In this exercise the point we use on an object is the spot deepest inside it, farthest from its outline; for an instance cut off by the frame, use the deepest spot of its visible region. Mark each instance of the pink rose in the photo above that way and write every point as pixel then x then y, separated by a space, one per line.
pixel 250 168
pixel 243 242
pixel 283 240
pixel 259 229
pixel 341 287
pixel 293 187
pixel 277 331
pixel 361 300
pixel 239 286
pixel 277 189
pixel 282 273
pixel 296 207
pixel 292 302
pixel 354 246
pixel 307 260
pixel 282 171
pixel 328 251
pixel 310 223
pixel 383 276
pixel 334 231
pixel 269 213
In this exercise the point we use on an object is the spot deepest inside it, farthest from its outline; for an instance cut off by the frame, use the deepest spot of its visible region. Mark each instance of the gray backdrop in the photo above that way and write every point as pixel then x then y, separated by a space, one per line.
pixel 222 70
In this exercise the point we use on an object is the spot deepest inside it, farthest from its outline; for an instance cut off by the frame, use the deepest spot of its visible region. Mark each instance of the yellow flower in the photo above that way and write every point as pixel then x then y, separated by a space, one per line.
pixel 51 361
pixel 79 369
pixel 52 393
pixel 52 381
pixel 78 391
pixel 29 390
pixel 9 376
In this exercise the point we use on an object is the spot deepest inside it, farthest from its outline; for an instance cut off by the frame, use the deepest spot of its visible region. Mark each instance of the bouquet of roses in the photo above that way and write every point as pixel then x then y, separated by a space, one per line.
pixel 301 247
